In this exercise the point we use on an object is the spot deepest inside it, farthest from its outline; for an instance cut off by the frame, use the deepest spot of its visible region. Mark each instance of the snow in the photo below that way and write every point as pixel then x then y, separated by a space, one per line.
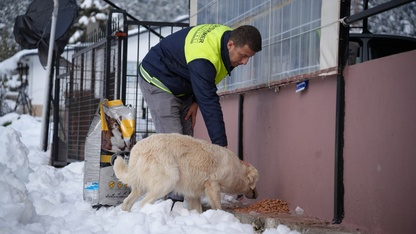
pixel 90 3
pixel 38 198
pixel 9 65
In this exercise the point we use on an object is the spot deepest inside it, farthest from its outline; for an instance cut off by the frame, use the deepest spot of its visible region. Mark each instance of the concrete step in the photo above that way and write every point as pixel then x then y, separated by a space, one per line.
pixel 300 223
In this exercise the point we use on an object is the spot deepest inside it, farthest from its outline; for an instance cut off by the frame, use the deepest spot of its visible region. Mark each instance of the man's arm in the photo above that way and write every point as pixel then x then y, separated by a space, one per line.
pixel 193 110
pixel 202 76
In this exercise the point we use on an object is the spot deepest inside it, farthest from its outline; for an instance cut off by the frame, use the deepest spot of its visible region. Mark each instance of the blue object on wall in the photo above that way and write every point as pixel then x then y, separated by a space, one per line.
pixel 300 86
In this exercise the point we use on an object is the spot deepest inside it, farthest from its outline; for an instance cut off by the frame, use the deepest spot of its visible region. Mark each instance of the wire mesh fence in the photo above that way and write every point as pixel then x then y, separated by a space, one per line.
pixel 105 68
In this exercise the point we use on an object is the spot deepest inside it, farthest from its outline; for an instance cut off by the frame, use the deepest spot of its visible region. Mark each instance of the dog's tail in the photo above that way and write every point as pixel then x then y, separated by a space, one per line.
pixel 121 169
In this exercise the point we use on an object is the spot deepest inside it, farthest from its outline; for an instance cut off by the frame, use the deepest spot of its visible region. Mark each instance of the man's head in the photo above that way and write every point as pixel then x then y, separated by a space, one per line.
pixel 244 42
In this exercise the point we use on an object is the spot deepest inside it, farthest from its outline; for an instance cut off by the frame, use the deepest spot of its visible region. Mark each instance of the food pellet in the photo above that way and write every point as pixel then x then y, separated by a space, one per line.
pixel 266 206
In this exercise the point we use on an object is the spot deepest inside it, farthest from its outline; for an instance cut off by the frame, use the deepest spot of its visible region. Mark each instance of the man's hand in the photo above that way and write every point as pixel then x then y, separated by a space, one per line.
pixel 193 109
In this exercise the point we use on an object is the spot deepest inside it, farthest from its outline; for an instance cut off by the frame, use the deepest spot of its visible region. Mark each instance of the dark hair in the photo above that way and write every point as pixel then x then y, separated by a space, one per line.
pixel 246 35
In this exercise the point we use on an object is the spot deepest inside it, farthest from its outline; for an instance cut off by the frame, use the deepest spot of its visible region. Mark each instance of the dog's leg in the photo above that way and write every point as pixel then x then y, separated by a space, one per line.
pixel 150 198
pixel 131 198
pixel 160 184
pixel 194 203
pixel 155 193
pixel 212 190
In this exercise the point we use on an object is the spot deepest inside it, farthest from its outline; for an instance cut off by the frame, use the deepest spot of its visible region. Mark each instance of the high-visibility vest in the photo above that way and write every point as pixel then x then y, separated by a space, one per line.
pixel 155 81
pixel 204 42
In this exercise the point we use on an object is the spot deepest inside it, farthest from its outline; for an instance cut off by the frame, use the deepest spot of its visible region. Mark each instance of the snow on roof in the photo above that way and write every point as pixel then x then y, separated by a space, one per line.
pixel 9 65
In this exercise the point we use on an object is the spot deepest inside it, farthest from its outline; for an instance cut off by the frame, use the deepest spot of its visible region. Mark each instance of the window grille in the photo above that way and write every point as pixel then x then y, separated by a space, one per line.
pixel 291 33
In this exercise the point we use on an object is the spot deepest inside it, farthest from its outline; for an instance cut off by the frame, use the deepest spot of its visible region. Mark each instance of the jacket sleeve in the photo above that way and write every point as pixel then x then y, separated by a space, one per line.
pixel 202 75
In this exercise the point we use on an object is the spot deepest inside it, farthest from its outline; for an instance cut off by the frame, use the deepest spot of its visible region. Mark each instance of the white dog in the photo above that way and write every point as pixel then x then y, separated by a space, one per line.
pixel 163 163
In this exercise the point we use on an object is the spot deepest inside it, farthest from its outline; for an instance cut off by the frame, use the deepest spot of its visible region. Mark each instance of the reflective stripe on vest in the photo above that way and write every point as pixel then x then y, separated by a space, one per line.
pixel 154 81
pixel 204 42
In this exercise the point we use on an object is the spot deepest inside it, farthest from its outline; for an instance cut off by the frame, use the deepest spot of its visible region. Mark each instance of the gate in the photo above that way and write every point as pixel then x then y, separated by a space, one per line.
pixel 105 67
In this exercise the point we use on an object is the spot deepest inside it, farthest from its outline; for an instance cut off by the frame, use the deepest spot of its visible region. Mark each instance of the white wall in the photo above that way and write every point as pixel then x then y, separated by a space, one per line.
pixel 37 74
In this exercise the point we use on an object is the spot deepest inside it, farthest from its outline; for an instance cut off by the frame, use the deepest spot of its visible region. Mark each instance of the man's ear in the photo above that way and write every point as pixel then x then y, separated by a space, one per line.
pixel 230 44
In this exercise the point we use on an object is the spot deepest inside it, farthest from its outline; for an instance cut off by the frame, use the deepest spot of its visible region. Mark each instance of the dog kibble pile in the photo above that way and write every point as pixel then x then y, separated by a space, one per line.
pixel 266 206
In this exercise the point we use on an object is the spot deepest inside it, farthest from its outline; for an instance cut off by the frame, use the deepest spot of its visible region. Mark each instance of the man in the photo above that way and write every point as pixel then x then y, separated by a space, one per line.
pixel 181 72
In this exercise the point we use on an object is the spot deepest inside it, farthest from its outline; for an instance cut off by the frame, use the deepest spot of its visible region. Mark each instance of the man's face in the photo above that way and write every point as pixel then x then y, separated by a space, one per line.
pixel 239 55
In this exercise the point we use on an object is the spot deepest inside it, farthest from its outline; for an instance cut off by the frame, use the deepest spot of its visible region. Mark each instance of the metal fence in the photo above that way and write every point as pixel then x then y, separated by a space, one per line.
pixel 103 68
pixel 143 35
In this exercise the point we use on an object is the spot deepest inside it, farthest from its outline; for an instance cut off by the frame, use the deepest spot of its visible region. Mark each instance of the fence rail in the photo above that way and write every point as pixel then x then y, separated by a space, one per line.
pixel 105 67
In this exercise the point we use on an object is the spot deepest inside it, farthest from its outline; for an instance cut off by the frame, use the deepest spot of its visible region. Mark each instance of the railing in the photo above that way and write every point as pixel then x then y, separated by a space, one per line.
pixel 105 67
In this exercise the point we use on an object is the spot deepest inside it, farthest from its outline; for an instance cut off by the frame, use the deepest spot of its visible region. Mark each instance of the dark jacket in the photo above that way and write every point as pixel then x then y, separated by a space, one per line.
pixel 166 61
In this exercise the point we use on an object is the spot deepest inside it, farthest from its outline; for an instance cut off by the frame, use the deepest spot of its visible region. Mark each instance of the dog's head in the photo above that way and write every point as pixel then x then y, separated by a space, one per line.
pixel 113 124
pixel 252 177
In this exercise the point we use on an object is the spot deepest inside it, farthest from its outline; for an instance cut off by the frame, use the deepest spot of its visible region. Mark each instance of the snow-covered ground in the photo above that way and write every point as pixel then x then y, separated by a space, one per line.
pixel 38 198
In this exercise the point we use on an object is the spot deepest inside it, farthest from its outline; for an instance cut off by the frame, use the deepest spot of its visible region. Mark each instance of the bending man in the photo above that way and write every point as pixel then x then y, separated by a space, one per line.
pixel 181 72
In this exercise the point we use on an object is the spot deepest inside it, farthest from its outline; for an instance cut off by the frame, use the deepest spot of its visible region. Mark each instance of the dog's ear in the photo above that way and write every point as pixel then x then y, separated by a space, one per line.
pixel 252 176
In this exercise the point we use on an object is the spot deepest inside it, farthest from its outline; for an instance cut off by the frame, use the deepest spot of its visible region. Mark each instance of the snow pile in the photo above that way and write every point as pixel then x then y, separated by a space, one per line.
pixel 38 198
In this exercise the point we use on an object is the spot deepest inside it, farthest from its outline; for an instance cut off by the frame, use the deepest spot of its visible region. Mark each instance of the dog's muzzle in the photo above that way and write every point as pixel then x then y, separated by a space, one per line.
pixel 251 194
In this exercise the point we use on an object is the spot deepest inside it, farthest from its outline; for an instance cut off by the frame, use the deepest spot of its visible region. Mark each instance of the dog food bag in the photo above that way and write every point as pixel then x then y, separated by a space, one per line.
pixel 92 160
pixel 111 132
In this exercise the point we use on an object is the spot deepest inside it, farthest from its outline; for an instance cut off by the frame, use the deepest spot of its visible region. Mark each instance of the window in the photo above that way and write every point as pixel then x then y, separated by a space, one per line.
pixel 291 32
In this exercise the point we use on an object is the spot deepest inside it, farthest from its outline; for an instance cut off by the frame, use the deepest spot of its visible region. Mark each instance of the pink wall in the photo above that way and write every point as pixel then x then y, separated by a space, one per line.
pixel 290 138
pixel 380 144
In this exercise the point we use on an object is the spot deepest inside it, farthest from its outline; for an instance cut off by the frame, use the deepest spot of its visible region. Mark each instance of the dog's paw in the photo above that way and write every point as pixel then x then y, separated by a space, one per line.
pixel 125 207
